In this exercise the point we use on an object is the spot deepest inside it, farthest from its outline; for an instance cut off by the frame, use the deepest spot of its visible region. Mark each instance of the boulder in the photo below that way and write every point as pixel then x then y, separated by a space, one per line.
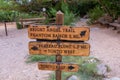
pixel 73 77
pixel 101 69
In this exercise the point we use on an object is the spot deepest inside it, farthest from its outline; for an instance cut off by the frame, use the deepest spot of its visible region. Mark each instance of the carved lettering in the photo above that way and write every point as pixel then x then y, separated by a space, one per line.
pixel 53 30
pixel 40 35
pixel 58 66
pixel 53 48
pixel 62 33
pixel 37 29
pixel 68 30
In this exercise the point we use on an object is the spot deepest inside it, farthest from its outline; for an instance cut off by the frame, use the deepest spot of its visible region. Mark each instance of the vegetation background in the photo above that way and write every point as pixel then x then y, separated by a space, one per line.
pixel 14 9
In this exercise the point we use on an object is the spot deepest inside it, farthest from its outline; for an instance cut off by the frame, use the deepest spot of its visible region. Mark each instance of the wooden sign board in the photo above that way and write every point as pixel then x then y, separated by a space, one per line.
pixel 61 33
pixel 58 66
pixel 63 48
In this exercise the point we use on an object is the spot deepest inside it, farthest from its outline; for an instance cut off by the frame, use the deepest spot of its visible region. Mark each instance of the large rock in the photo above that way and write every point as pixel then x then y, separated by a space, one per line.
pixel 101 69
pixel 86 16
pixel 73 77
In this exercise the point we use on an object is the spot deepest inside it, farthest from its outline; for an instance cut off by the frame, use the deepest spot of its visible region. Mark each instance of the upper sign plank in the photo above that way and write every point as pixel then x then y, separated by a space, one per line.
pixel 61 33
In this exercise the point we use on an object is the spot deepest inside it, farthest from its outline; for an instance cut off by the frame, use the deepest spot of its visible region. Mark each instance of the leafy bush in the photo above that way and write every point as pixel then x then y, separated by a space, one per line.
pixel 68 18
pixel 28 15
pixel 8 15
pixel 10 11
pixel 34 6
pixel 15 15
pixel 52 12
pixel 37 58
pixel 11 15
pixel 111 7
pixel 95 13
pixel 87 70
pixel 19 26
pixel 81 7
pixel 7 5
pixel 68 15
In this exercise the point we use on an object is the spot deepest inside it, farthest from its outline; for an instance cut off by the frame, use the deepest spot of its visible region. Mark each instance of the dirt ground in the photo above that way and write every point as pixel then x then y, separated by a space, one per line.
pixel 105 45
pixel 13 54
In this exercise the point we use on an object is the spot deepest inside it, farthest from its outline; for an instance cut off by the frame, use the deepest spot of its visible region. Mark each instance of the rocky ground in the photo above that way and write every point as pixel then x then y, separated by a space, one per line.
pixel 13 54
pixel 105 45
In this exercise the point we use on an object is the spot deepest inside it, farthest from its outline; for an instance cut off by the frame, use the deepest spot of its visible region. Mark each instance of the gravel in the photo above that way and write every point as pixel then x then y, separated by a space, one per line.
pixel 105 45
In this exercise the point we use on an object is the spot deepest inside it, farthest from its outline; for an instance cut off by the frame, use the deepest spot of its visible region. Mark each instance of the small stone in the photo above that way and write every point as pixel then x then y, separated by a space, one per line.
pixel 102 69
pixel 73 77
pixel 106 79
pixel 86 17
pixel 114 78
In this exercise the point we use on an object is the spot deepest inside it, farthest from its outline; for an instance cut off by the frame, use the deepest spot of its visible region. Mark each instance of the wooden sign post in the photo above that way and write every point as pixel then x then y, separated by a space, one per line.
pixel 6 32
pixel 59 41
pixel 59 22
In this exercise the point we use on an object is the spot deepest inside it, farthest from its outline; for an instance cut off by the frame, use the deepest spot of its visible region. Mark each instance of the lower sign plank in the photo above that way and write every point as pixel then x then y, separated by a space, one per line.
pixel 58 66
pixel 63 48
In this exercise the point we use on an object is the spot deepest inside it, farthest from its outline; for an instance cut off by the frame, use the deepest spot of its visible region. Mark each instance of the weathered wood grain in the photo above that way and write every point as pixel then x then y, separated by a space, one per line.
pixel 63 48
pixel 61 33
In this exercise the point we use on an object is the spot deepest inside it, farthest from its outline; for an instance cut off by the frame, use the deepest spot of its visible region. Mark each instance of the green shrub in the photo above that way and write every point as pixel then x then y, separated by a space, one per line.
pixel 111 7
pixel 87 70
pixel 35 6
pixel 18 25
pixel 81 7
pixel 7 5
pixel 69 17
pixel 95 13
pixel 26 15
pixel 52 12
pixel 8 15
pixel 37 58
pixel 11 16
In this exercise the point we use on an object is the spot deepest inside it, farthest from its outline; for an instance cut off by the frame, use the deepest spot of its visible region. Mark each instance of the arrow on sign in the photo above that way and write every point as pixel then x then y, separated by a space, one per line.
pixel 71 67
pixel 82 33
pixel 34 48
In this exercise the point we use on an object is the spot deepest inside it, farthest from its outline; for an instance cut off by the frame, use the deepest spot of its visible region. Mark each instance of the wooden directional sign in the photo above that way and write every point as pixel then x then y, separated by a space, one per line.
pixel 59 41
pixel 63 48
pixel 58 66
pixel 61 33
